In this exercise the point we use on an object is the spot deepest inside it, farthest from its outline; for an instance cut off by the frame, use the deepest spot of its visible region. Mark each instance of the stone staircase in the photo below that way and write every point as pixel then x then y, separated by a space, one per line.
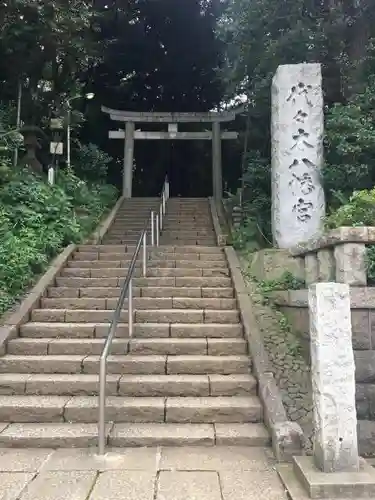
pixel 185 376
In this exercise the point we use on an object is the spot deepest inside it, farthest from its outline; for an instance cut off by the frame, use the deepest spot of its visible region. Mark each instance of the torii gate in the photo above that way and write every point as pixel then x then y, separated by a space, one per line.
pixel 173 119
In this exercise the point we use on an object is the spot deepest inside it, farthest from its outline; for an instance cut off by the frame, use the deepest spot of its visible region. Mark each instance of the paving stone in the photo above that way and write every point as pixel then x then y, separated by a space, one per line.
pixel 118 409
pixel 213 409
pixel 137 459
pixel 168 346
pixel 48 435
pixel 251 485
pixel 232 385
pixel 162 435
pixel 207 364
pixel 13 383
pixel 164 385
pixel 131 485
pixel 59 485
pixel 32 408
pixel 207 330
pixel 72 384
pixel 216 458
pixel 130 364
pixel 23 460
pixel 241 435
pixel 192 485
pixel 41 364
pixel 13 483
pixel 226 347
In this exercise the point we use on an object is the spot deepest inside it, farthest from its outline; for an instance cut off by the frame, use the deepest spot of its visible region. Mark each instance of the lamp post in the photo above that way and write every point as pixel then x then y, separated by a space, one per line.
pixel 88 96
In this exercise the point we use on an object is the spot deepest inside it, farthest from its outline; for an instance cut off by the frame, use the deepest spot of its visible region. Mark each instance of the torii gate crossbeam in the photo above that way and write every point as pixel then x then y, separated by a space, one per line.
pixel 130 134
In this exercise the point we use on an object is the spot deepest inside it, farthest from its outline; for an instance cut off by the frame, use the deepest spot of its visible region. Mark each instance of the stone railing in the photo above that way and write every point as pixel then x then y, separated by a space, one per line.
pixel 339 255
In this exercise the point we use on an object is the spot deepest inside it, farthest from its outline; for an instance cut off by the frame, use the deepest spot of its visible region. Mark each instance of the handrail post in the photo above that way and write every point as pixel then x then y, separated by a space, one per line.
pixel 102 400
pixel 130 308
pixel 161 221
pixel 144 259
pixel 152 229
pixel 157 230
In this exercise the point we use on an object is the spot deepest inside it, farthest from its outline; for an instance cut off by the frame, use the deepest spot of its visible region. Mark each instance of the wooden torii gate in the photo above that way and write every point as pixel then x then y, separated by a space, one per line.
pixel 129 134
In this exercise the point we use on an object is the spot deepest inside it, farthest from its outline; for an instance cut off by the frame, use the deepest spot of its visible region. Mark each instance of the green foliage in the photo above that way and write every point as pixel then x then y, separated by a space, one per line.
pixel 37 220
pixel 358 211
pixel 286 282
pixel 370 264
pixel 91 163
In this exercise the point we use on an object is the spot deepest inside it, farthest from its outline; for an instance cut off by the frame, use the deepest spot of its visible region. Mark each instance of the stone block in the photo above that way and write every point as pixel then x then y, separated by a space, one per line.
pixel 271 264
pixel 351 264
pixel 326 265
pixel 332 371
pixel 311 268
pixel 298 204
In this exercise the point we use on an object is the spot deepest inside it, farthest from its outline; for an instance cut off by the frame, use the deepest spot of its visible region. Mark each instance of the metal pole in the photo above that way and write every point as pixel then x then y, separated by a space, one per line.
pixel 157 230
pixel 161 222
pixel 152 230
pixel 144 254
pixel 68 139
pixel 102 391
pixel 18 120
pixel 164 195
pixel 130 307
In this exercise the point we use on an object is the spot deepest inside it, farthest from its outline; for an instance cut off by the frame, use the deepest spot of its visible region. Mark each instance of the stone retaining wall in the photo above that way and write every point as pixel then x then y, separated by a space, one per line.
pixel 339 255
pixel 294 304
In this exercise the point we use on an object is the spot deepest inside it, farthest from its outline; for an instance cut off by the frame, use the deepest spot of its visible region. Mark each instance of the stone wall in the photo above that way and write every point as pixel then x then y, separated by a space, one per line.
pixel 294 305
pixel 291 372
pixel 339 255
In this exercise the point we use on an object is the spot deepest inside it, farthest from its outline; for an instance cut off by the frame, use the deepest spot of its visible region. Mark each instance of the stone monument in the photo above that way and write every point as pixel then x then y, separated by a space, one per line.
pixel 298 204
pixel 333 382
pixel 335 471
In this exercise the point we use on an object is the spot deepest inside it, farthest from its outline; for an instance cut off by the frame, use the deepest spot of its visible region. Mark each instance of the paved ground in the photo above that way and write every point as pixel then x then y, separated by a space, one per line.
pixel 217 473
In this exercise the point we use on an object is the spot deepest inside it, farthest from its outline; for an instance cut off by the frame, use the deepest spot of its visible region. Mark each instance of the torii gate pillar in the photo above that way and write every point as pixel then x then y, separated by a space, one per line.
pixel 217 174
pixel 127 175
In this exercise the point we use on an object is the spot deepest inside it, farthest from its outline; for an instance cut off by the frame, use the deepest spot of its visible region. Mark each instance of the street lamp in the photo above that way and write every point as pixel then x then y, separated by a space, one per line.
pixel 87 96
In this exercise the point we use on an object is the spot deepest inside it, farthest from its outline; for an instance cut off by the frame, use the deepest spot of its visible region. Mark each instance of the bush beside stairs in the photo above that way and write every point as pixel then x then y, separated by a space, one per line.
pixel 184 378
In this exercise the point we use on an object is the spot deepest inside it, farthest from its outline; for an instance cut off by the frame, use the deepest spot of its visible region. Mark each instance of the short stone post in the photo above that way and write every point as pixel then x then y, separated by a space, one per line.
pixel 298 205
pixel 332 371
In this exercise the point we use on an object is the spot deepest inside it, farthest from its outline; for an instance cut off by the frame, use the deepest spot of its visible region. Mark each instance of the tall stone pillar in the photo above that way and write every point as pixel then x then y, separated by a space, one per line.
pixel 127 176
pixel 298 204
pixel 217 176
pixel 333 381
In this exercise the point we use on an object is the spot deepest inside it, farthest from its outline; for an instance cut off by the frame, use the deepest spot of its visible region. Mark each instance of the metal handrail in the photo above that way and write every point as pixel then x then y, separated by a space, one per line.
pixel 127 291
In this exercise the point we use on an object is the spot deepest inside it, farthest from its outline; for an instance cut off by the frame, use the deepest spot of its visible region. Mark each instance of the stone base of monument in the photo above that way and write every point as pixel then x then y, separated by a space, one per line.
pixel 303 480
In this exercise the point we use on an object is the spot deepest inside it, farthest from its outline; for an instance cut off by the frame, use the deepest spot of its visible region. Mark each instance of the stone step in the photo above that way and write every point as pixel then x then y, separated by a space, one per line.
pixel 118 272
pixel 140 330
pixel 127 364
pixel 107 292
pixel 221 409
pixel 195 316
pixel 94 346
pixel 164 249
pixel 73 435
pixel 151 263
pixel 184 242
pixel 128 385
pixel 153 254
pixel 171 281
pixel 140 303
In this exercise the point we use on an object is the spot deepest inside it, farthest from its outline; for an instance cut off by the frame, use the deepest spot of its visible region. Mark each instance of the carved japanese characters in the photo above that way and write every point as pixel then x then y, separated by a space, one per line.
pixel 297 153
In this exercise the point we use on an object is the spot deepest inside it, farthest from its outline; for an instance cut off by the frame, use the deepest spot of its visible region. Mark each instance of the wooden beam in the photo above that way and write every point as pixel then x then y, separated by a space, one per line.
pixel 138 134
pixel 149 117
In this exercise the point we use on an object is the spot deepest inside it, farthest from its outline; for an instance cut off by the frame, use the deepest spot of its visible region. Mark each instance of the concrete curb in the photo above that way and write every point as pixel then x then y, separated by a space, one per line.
pixel 10 328
pixel 221 238
pixel 101 230
pixel 287 436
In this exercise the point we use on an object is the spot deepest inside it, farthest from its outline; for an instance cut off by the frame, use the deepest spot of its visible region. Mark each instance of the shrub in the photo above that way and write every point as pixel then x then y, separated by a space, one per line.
pixel 37 220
